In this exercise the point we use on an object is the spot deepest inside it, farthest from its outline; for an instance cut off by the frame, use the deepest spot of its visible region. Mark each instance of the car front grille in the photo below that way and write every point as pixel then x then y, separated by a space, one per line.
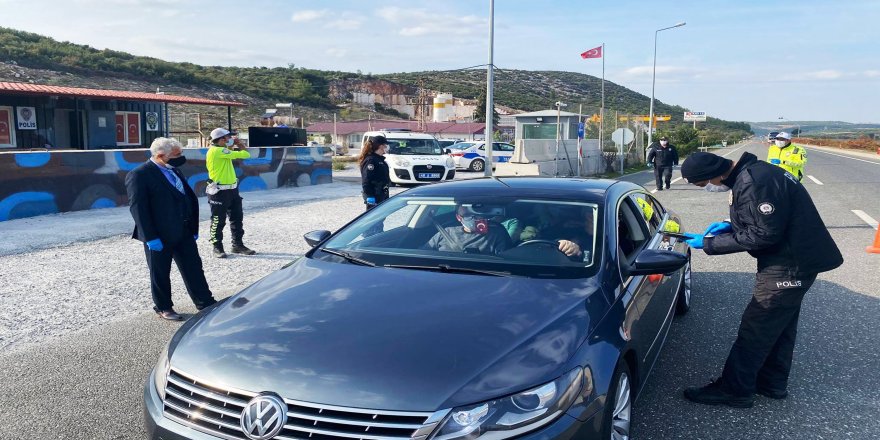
pixel 216 411
pixel 438 170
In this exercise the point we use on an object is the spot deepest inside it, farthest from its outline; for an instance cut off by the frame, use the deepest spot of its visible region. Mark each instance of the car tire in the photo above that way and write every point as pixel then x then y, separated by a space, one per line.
pixel 477 165
pixel 683 299
pixel 617 421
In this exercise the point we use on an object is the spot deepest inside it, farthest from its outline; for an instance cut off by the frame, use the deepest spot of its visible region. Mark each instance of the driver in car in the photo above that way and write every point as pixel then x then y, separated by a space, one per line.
pixel 477 234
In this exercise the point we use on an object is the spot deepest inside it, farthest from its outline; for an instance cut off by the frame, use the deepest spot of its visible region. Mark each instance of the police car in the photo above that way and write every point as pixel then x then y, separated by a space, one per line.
pixel 415 157
pixel 472 155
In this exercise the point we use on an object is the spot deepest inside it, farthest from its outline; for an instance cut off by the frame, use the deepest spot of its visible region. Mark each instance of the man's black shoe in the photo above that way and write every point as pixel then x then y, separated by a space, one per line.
pixel 169 314
pixel 712 394
pixel 667 186
pixel 219 252
pixel 773 394
pixel 242 249
pixel 660 189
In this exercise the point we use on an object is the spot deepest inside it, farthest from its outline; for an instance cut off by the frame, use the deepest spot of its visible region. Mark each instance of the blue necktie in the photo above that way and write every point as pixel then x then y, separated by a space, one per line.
pixel 177 182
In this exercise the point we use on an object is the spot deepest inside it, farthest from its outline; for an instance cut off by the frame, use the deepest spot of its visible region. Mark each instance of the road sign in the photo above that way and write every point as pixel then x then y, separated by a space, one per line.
pixel 645 118
pixel 580 130
pixel 695 116
pixel 623 136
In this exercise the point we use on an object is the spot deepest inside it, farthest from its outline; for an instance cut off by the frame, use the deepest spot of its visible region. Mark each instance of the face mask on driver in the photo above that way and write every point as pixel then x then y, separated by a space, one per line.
pixel 716 188
pixel 475 224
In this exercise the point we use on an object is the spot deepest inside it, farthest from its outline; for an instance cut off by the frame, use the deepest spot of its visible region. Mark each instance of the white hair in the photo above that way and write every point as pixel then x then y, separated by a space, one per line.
pixel 163 145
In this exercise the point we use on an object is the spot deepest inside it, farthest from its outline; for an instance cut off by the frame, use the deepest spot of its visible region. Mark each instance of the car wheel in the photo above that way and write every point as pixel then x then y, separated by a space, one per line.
pixel 477 165
pixel 683 303
pixel 618 405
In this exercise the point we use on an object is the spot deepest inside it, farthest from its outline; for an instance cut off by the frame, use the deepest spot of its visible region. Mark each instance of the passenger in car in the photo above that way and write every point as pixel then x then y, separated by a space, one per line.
pixel 570 226
pixel 476 234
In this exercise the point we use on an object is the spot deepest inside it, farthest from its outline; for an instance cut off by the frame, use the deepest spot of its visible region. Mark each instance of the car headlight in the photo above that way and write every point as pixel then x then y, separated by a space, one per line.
pixel 160 372
pixel 450 163
pixel 513 415
pixel 403 163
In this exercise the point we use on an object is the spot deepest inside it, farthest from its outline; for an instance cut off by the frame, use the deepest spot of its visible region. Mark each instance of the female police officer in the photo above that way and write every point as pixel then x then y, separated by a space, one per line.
pixel 374 171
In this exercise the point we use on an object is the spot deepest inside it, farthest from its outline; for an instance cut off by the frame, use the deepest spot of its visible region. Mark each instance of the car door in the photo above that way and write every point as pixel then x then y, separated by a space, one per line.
pixel 501 152
pixel 657 295
pixel 637 290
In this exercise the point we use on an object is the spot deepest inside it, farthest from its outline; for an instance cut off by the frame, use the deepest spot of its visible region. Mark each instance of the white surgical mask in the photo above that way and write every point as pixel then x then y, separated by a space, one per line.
pixel 663 143
pixel 230 142
pixel 781 143
pixel 716 188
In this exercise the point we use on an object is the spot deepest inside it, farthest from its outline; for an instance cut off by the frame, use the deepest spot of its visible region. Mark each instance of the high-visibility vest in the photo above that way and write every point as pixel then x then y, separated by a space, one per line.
pixel 792 158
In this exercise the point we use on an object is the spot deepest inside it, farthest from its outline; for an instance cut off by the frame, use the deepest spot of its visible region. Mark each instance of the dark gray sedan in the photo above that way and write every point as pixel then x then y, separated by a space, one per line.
pixel 479 309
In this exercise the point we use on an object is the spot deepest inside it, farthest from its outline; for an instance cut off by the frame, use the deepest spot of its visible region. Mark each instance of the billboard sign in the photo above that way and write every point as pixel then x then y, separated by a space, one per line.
pixel 695 116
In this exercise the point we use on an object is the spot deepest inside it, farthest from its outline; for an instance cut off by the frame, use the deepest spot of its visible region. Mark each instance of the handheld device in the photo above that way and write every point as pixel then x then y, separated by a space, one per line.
pixel 677 235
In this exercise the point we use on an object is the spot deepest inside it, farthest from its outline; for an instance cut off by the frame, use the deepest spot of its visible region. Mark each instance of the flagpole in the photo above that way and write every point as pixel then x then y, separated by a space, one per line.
pixel 580 121
pixel 602 107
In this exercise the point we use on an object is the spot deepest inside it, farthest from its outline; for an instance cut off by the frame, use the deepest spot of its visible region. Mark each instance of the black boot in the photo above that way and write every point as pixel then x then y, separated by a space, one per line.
pixel 712 394
pixel 239 248
pixel 218 251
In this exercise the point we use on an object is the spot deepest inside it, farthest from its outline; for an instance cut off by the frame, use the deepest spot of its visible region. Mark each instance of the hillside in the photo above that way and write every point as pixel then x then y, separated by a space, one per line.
pixel 30 57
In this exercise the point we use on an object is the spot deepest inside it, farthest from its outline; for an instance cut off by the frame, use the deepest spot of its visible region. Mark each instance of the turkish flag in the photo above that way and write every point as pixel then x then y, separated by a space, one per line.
pixel 595 52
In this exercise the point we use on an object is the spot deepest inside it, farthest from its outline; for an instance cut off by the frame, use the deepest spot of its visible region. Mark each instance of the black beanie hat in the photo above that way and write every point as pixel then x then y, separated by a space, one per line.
pixel 702 166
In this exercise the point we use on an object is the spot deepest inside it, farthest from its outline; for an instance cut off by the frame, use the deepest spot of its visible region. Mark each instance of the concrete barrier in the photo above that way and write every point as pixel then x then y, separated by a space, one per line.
pixel 47 182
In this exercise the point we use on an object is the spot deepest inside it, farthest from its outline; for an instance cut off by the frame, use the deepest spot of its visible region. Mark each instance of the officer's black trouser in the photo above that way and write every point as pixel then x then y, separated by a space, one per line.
pixel 186 255
pixel 662 173
pixel 226 201
pixel 761 355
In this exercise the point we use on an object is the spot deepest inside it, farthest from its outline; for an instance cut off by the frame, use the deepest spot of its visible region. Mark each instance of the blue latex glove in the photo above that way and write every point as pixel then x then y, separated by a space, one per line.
pixel 371 200
pixel 196 237
pixel 695 240
pixel 775 161
pixel 718 228
pixel 155 245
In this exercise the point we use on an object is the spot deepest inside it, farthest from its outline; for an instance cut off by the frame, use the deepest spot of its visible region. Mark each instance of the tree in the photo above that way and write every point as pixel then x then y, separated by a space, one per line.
pixel 480 111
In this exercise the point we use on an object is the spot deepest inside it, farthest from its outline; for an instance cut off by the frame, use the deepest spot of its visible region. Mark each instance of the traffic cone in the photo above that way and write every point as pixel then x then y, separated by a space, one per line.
pixel 875 248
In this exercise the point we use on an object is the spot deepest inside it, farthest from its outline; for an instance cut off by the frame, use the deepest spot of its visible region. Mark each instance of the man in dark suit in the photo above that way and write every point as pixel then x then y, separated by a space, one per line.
pixel 166 217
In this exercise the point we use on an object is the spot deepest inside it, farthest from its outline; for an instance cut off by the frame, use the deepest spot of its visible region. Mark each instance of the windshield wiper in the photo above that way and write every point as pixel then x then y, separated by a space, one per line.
pixel 448 269
pixel 348 257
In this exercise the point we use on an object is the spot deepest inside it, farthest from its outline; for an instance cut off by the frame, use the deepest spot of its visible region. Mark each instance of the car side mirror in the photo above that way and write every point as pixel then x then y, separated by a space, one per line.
pixel 448 151
pixel 652 261
pixel 315 238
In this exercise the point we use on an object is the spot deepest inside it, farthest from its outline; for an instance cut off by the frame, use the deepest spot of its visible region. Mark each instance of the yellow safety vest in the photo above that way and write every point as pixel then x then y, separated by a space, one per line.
pixel 219 163
pixel 791 158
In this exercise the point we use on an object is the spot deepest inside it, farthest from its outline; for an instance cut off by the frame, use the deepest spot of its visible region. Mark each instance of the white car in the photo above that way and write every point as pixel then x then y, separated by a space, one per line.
pixel 415 157
pixel 472 155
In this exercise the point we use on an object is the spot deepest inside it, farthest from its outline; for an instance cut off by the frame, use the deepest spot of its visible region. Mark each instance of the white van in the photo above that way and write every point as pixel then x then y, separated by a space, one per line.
pixel 415 157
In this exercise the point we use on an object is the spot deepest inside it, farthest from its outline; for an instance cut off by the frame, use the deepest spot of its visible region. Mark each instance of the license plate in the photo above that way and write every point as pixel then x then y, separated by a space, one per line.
pixel 429 175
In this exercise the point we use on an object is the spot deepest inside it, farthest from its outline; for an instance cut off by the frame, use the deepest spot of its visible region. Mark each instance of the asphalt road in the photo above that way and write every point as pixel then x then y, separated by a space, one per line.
pixel 87 384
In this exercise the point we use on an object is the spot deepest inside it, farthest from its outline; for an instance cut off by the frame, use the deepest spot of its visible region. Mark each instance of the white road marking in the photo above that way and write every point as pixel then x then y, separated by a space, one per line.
pixel 865 218
pixel 815 180
pixel 731 151
pixel 842 155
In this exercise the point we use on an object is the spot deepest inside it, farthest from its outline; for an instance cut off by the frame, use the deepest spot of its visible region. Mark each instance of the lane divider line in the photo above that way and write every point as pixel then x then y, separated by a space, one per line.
pixel 842 155
pixel 815 180
pixel 865 218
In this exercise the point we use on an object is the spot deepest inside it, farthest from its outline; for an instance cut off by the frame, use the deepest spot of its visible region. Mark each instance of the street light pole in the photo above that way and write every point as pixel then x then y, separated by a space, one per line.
pixel 653 81
pixel 490 104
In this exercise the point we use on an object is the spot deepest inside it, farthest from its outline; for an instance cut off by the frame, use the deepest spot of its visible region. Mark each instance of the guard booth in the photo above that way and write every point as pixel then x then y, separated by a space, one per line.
pixel 69 149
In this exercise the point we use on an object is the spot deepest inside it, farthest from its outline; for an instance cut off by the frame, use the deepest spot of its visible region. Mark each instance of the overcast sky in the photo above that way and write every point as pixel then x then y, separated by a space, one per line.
pixel 741 60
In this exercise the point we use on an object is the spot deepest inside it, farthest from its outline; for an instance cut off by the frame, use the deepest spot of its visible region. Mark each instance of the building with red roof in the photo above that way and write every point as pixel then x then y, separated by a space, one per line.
pixel 46 116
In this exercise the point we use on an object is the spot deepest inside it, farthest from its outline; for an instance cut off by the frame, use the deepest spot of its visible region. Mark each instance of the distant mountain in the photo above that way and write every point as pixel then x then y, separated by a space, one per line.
pixel 831 129
pixel 30 57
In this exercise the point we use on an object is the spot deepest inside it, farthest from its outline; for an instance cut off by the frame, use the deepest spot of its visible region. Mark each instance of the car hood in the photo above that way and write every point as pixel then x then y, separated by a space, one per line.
pixel 393 339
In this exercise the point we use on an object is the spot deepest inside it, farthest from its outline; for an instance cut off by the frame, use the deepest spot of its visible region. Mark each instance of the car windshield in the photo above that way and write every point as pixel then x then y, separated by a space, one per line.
pixel 414 146
pixel 514 236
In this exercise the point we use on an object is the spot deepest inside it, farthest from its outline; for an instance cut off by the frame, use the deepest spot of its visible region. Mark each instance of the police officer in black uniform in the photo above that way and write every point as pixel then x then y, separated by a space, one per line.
pixel 663 156
pixel 773 218
pixel 375 179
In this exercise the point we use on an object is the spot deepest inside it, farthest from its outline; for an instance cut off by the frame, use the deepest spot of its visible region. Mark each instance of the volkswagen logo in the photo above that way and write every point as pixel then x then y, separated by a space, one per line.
pixel 263 417
pixel 429 166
